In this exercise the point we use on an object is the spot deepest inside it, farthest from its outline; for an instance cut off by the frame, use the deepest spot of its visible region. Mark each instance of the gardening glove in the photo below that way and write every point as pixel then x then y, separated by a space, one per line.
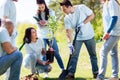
pixel 71 47
pixel 81 25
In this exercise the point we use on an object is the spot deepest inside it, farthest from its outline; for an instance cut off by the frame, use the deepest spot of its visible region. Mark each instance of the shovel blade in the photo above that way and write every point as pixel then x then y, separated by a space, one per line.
pixel 63 75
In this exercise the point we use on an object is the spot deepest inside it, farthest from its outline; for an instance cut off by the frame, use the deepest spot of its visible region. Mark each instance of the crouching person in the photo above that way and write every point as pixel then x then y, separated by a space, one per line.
pixel 35 52
pixel 10 57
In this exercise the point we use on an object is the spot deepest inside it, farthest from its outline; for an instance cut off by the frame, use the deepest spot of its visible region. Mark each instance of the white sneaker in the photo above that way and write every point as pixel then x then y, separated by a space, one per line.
pixel 46 75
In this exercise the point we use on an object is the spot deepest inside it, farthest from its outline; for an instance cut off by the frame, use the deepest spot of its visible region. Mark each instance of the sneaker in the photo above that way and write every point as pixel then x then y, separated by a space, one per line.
pixel 95 75
pixel 114 78
pixel 46 75
pixel 70 77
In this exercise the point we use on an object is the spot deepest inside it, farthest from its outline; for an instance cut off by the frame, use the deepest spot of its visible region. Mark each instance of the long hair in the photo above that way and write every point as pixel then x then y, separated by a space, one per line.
pixel 46 10
pixel 27 36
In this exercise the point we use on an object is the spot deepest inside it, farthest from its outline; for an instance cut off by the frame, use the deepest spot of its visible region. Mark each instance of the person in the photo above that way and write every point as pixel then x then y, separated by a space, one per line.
pixel 0 22
pixel 35 51
pixel 43 30
pixel 8 11
pixel 79 16
pixel 111 23
pixel 10 56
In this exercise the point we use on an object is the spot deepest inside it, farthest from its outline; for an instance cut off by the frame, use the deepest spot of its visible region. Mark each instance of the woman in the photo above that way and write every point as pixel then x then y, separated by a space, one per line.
pixel 34 52
pixel 111 23
pixel 43 30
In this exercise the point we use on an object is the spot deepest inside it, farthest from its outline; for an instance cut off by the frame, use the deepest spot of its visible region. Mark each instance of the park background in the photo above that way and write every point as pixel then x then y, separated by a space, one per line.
pixel 25 11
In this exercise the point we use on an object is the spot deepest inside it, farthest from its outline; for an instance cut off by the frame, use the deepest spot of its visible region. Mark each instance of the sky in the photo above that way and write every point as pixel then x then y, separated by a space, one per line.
pixel 26 9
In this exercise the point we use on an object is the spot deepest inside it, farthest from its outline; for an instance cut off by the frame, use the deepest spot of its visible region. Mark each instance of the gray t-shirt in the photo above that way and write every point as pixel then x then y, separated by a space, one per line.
pixel 4 37
pixel 81 12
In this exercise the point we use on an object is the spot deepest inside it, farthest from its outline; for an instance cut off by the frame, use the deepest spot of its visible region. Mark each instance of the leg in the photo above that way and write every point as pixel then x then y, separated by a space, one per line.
pixel 114 56
pixel 107 46
pixel 91 47
pixel 13 61
pixel 43 68
pixel 46 41
pixel 74 58
pixel 29 61
pixel 57 55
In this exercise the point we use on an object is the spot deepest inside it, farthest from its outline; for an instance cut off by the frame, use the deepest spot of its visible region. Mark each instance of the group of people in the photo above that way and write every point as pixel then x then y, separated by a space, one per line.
pixel 78 16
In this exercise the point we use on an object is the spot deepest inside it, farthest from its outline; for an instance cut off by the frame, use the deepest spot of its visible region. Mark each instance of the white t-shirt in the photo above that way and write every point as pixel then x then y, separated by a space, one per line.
pixel 4 37
pixel 8 8
pixel 35 48
pixel 43 31
pixel 81 12
pixel 109 10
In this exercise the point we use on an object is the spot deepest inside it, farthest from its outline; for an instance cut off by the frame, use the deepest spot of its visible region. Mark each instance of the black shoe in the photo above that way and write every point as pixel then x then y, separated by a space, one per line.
pixel 95 75
pixel 70 77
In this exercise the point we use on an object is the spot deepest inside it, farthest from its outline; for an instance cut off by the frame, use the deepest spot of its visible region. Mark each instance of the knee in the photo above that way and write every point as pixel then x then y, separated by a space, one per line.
pixel 19 55
pixel 49 68
pixel 103 53
pixel 33 56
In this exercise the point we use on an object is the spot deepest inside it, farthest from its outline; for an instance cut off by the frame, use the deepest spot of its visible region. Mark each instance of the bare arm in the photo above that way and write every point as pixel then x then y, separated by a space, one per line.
pixel 43 51
pixel 89 18
pixel 69 35
pixel 8 48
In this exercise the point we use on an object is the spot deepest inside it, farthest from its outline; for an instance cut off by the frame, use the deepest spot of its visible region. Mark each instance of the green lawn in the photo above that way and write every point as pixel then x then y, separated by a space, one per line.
pixel 83 71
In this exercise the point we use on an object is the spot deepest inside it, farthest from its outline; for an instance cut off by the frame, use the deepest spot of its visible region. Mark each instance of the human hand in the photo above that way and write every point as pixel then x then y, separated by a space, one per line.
pixel 42 22
pixel 45 62
pixel 81 25
pixel 71 47
pixel 106 36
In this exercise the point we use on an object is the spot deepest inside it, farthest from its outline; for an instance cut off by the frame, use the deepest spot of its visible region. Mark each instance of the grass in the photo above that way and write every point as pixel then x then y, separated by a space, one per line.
pixel 83 71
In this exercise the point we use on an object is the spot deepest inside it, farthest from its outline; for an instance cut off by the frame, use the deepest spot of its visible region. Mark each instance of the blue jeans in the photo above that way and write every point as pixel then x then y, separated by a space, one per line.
pixel 55 47
pixel 13 61
pixel 90 45
pixel 110 45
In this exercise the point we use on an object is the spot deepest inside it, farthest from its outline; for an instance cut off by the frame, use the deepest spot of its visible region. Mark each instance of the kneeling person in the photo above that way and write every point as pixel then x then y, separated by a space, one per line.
pixel 35 52
pixel 10 56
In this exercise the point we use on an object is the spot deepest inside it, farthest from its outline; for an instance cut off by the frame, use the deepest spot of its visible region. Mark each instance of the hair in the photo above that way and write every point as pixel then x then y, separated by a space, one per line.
pixel 27 36
pixel 66 3
pixel 46 10
pixel 8 23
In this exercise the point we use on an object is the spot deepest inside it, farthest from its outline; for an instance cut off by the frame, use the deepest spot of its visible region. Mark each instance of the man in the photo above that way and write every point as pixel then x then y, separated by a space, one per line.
pixel 111 24
pixel 79 16
pixel 10 57
pixel 8 11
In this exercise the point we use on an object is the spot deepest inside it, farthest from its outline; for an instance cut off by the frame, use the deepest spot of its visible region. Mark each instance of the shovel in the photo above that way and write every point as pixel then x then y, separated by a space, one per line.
pixel 65 72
